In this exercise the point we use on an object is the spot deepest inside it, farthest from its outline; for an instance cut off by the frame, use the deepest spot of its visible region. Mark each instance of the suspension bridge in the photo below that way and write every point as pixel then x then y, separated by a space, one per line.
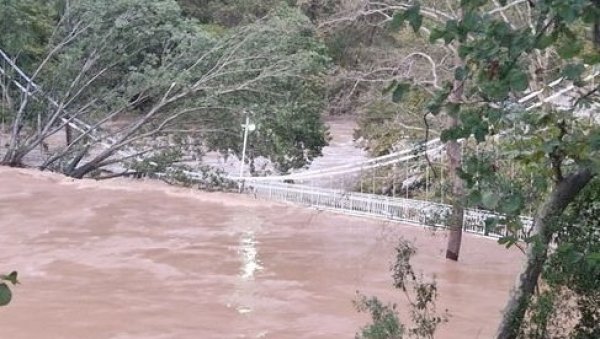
pixel 383 187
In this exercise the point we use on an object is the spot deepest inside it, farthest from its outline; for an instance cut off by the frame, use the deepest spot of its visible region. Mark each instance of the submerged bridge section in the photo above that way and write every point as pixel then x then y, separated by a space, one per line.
pixel 411 211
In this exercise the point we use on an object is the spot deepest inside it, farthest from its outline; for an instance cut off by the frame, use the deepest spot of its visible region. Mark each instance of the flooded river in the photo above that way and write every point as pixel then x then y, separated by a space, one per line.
pixel 125 259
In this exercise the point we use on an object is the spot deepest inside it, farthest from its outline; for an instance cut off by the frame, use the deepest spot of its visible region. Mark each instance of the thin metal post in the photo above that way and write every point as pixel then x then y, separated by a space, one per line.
pixel 247 128
pixel 246 125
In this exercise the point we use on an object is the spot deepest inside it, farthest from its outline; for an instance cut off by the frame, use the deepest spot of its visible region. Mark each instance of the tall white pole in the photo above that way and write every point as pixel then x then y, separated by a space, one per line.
pixel 246 126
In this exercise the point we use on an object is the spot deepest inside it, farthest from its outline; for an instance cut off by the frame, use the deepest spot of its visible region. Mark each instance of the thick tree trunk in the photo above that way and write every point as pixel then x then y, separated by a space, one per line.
pixel 13 158
pixel 80 172
pixel 562 195
pixel 454 154
pixel 455 224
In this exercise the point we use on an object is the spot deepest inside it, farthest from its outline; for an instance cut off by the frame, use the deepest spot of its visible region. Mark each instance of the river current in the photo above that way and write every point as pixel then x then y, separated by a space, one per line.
pixel 129 259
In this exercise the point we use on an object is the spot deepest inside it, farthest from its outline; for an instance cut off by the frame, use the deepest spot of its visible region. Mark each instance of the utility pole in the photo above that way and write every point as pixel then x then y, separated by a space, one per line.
pixel 248 127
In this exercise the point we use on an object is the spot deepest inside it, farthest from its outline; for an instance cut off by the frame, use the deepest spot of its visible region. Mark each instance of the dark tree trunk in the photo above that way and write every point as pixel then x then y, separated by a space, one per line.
pixel 13 158
pixel 455 224
pixel 562 195
pixel 454 153
pixel 81 171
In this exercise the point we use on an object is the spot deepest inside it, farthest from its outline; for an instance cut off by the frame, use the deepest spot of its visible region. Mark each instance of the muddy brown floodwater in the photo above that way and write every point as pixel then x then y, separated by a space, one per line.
pixel 124 259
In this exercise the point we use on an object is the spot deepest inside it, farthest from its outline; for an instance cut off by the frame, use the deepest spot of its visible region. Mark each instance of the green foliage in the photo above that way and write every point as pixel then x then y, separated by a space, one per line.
pixel 412 15
pixel 287 110
pixel 386 322
pixel 5 292
pixel 400 91
pixel 568 304
pixel 494 69
pixel 26 28
pixel 228 13
pixel 421 296
pixel 539 146
pixel 141 60
pixel 575 265
pixel 385 124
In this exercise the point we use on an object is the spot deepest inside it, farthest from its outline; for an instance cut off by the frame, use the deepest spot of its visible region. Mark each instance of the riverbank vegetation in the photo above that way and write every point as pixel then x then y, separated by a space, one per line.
pixel 120 76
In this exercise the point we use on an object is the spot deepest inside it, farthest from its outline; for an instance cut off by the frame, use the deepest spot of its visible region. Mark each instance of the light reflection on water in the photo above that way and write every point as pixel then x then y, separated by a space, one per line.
pixel 247 251
pixel 249 255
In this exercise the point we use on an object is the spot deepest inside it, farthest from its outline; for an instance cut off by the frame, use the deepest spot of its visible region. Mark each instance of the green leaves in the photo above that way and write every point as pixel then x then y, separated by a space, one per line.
pixel 490 200
pixel 471 22
pixel 570 48
pixel 12 278
pixel 454 134
pixel 490 224
pixel 512 204
pixel 5 292
pixel 436 34
pixel 460 73
pixel 594 140
pixel 518 80
pixel 573 72
pixel 495 90
pixel 397 21
pixel 508 241
pixel 472 4
pixel 434 106
pixel 412 15
pixel 400 91
pixel 27 26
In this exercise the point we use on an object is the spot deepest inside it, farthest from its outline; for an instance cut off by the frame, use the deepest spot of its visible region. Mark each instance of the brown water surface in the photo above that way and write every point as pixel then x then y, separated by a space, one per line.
pixel 125 259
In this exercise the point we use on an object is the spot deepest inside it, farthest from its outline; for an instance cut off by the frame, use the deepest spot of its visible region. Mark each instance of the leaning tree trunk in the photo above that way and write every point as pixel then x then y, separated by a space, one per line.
pixel 13 157
pixel 454 155
pixel 562 195
pixel 83 170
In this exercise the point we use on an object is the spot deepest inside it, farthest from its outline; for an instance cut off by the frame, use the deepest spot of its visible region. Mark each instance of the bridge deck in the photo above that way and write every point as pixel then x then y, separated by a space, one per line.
pixel 393 209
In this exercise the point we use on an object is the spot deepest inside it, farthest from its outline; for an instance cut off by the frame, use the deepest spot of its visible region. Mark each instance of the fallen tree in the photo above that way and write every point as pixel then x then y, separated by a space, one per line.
pixel 165 76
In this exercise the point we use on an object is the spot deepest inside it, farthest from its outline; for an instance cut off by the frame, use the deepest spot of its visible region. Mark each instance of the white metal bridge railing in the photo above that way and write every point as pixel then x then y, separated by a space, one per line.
pixel 394 209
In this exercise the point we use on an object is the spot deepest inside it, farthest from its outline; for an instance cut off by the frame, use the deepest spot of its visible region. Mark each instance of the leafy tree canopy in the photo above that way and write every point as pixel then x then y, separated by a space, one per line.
pixel 146 63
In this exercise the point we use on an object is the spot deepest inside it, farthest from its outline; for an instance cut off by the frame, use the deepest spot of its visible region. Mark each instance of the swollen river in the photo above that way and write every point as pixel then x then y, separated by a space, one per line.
pixel 124 259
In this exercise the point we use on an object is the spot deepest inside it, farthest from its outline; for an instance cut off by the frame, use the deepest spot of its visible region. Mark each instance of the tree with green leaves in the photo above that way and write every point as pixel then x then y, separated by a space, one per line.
pixel 5 292
pixel 421 295
pixel 27 26
pixel 506 52
pixel 417 64
pixel 166 76
pixel 572 274
pixel 229 13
